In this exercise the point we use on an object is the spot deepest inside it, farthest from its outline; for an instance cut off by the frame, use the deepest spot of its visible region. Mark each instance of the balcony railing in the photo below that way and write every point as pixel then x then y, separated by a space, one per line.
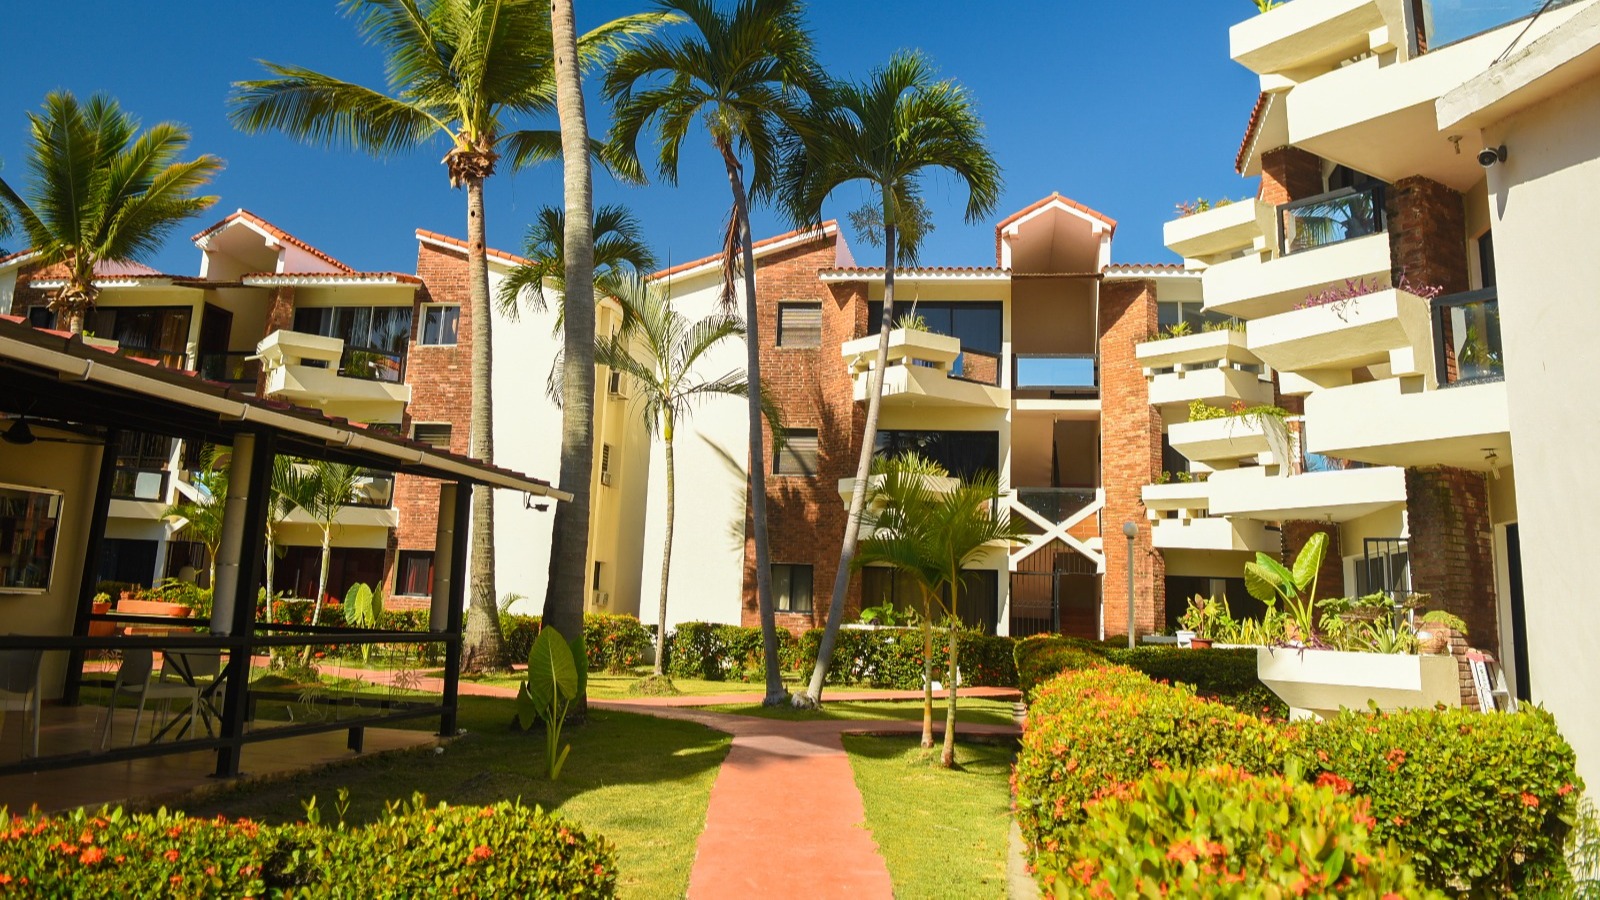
pixel 375 490
pixel 1330 218
pixel 1466 338
pixel 1055 503
pixel 170 359
pixel 1063 373
pixel 977 366
pixel 240 367
pixel 135 483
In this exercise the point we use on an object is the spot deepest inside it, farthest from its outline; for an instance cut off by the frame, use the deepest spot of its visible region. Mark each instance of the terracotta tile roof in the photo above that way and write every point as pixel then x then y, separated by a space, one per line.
pixel 1056 197
pixel 826 229
pixel 401 277
pixel 13 257
pixel 1256 115
pixel 919 270
pixel 423 234
pixel 276 232
pixel 110 270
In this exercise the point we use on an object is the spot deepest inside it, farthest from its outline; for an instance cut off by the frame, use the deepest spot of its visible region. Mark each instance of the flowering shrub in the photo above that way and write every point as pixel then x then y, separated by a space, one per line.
pixel 615 643
pixel 1044 656
pixel 723 652
pixel 503 850
pixel 1340 297
pixel 1223 833
pixel 1093 729
pixel 892 657
pixel 1227 676
pixel 1480 801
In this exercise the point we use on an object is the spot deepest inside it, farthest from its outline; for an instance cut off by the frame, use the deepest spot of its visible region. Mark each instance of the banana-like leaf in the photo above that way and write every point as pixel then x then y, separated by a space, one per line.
pixel 1310 560
pixel 555 767
pixel 552 674
pixel 527 710
pixel 1261 583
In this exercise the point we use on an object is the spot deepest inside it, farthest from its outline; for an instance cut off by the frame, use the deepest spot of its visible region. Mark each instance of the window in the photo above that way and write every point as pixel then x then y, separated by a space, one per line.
pixel 977 324
pixel 160 333
pixel 1170 313
pixel 439 322
pixel 605 464
pixel 41 317
pixel 594 584
pixel 799 324
pixel 962 453
pixel 978 603
pixel 413 574
pixel 374 337
pixel 1486 277
pixel 791 587
pixel 435 433
pixel 798 454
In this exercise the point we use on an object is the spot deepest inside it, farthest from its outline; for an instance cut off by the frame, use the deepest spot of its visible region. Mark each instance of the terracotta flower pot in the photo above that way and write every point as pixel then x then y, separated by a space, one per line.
pixel 1200 643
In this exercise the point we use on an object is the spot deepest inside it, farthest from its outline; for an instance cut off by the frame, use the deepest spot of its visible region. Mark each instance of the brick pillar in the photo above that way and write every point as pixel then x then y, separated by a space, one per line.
pixel 1452 547
pixel 1428 234
pixel 1330 578
pixel 280 310
pixel 1289 173
pixel 1130 457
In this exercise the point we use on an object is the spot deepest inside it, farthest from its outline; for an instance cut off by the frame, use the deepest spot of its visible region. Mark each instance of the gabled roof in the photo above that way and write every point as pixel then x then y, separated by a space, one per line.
pixel 1242 158
pixel 1055 198
pixel 275 279
pixel 828 229
pixel 433 237
pixel 17 258
pixel 260 224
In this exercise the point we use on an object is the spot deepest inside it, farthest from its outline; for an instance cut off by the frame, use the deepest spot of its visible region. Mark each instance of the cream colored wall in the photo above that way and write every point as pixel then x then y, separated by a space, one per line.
pixel 385 295
pixel 8 291
pixel 1542 198
pixel 71 469
pixel 1385 523
pixel 1053 316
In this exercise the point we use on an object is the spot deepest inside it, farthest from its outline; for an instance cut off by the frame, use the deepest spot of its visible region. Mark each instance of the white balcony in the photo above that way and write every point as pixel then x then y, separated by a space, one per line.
pixel 1180 519
pixel 1394 422
pixel 921 371
pixel 304 369
pixel 1251 287
pixel 1242 225
pixel 1212 366
pixel 1389 331
pixel 1337 496
pixel 935 483
pixel 1224 442
pixel 1302 39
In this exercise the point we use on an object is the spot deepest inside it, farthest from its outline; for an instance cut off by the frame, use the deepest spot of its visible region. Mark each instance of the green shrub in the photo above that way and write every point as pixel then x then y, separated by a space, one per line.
pixel 614 643
pixel 518 634
pixel 1227 676
pixel 1223 833
pixel 1480 801
pixel 1043 656
pixel 891 658
pixel 1093 729
pixel 714 652
pixel 413 851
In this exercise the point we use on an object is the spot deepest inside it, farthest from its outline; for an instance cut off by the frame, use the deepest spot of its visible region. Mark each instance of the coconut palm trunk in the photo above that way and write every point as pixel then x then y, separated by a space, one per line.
pixel 569 576
pixel 927 671
pixel 483 648
pixel 322 575
pixel 758 455
pixel 666 553
pixel 948 757
pixel 858 496
pixel 272 552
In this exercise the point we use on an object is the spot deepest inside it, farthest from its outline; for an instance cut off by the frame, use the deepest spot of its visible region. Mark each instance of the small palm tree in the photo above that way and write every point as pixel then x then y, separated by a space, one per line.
pixel 744 74
pixel 889 132
pixel 458 69
pixel 331 487
pixel 199 515
pixel 659 354
pixel 290 489
pixel 101 192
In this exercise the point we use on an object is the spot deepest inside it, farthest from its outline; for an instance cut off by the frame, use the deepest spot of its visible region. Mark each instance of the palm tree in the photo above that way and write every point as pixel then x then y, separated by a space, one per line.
pixel 332 486
pixel 199 515
pixel 742 73
pixel 290 489
pixel 889 132
pixel 458 69
pixel 101 192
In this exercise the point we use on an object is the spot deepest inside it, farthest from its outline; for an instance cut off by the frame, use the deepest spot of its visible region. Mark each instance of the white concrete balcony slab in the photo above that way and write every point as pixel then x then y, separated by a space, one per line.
pixel 1337 496
pixel 1390 330
pixel 921 372
pixel 1222 229
pixel 304 370
pixel 1319 683
pixel 1226 440
pixel 1180 520
pixel 1395 422
pixel 1251 287
pixel 1212 366
pixel 1308 37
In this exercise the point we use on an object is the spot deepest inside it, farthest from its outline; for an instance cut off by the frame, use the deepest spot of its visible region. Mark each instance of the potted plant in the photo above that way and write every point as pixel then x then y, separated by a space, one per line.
pixel 1204 620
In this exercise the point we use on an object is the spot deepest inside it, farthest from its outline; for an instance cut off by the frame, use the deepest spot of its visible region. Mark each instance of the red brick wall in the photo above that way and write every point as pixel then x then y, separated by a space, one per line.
pixel 1289 173
pixel 1452 547
pixel 26 297
pixel 1428 234
pixel 1130 456
pixel 805 517
pixel 1330 578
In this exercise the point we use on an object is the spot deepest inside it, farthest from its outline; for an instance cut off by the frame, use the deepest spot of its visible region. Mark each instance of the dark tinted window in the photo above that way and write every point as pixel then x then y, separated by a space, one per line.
pixel 978 325
pixel 963 453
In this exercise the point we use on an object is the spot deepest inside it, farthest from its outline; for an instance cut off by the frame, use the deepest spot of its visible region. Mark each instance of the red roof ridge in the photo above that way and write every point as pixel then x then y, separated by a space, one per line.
pixel 401 276
pixel 1055 197
pixel 821 231
pixel 1256 115
pixel 1134 266
pixel 276 232
pixel 424 234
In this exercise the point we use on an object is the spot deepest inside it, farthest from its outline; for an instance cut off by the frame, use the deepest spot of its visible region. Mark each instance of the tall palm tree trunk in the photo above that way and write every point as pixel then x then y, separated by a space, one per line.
pixel 758 453
pixel 948 757
pixel 483 647
pixel 858 497
pixel 927 672
pixel 666 554
pixel 272 552
pixel 322 576
pixel 569 578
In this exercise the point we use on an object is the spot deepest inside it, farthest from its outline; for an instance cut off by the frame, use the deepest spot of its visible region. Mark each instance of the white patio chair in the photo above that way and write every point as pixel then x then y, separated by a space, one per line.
pixel 133 678
pixel 19 692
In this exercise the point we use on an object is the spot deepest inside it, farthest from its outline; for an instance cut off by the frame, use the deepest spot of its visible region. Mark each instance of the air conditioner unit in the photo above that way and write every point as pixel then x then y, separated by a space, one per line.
pixel 601 598
pixel 605 478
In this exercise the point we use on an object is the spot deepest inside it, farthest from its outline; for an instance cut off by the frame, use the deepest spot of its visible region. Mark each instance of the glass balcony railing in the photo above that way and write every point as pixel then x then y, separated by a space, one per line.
pixel 1330 218
pixel 1055 503
pixel 236 367
pixel 1065 373
pixel 1446 23
pixel 134 483
pixel 169 359
pixel 977 366
pixel 1466 338
pixel 375 490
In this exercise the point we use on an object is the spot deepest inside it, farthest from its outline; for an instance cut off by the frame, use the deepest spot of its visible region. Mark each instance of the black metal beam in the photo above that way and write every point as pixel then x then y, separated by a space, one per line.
pixel 457 613
pixel 91 562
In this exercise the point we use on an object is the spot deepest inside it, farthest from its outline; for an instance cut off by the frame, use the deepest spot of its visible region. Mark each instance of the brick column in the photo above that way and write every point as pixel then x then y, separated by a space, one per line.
pixel 1330 578
pixel 1452 547
pixel 1428 234
pixel 280 316
pixel 1130 457
pixel 1289 173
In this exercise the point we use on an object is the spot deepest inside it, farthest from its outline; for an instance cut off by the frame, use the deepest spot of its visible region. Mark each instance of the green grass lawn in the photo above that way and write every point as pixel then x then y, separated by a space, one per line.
pixel 606 686
pixel 971 710
pixel 642 782
pixel 942 832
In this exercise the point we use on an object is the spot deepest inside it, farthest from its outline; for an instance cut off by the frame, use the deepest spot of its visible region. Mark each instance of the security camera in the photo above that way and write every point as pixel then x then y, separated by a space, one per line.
pixel 1488 156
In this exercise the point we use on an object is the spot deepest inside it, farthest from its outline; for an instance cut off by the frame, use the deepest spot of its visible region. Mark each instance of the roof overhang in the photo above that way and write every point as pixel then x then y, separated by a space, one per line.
pixel 1566 57
pixel 761 248
pixel 317 279
pixel 127 281
pixel 876 274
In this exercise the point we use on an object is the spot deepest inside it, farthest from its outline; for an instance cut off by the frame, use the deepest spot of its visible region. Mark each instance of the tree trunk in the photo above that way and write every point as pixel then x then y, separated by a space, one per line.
pixel 927 672
pixel 948 757
pixel 272 552
pixel 666 554
pixel 322 575
pixel 569 554
pixel 858 497
pixel 758 454
pixel 482 645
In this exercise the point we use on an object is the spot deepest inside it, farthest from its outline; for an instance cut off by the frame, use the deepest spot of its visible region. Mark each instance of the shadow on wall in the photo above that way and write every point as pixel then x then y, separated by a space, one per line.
pixel 734 529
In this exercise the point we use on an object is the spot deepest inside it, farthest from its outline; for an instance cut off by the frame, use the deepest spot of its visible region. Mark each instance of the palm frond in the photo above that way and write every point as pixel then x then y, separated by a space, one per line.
pixel 320 109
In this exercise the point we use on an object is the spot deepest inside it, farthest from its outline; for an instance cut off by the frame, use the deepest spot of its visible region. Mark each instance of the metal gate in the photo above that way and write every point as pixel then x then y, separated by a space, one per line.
pixel 1062 600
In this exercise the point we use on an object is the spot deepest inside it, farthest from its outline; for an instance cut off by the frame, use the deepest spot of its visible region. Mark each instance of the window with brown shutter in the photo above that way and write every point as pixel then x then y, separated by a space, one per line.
pixel 798 455
pixel 435 433
pixel 799 324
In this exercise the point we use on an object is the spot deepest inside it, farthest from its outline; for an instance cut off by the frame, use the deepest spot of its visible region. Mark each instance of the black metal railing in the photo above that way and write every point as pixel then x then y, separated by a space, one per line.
pixel 1062 373
pixel 1330 218
pixel 139 483
pixel 1055 503
pixel 1466 338
pixel 238 367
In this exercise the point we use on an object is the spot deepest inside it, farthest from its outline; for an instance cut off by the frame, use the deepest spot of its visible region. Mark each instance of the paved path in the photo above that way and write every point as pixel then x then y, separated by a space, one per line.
pixel 785 818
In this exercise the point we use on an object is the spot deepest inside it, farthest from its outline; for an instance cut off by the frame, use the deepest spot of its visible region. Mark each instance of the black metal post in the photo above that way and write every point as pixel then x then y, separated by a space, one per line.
pixel 456 614
pixel 236 691
pixel 91 563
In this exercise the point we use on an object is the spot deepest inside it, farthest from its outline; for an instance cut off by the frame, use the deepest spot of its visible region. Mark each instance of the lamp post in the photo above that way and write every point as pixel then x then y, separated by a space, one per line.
pixel 1131 531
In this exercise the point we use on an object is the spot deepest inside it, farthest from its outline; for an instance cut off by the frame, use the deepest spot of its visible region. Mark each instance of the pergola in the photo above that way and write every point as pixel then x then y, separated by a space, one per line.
pixel 50 377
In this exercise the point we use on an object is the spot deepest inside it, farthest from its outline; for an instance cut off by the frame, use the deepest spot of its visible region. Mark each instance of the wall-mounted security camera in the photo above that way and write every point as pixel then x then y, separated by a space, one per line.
pixel 1488 156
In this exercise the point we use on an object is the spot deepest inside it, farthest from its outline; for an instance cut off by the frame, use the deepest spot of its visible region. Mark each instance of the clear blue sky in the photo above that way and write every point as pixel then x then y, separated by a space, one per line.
pixel 1126 107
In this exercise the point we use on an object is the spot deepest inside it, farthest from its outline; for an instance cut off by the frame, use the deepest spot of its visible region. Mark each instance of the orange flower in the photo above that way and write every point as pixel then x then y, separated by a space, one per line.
pixel 1564 790
pixel 1183 852
pixel 5 879
pixel 176 879
pixel 171 855
pixel 479 854
pixel 1530 801
pixel 92 856
pixel 86 838
pixel 1331 779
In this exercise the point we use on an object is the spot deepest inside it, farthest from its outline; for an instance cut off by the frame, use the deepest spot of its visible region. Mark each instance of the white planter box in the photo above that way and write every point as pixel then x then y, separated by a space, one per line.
pixel 1321 682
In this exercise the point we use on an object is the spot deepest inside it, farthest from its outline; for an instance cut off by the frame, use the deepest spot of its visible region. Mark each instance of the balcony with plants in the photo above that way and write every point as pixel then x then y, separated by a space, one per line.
pixel 1225 438
pixel 1360 327
pixel 320 372
pixel 927 369
pixel 1213 231
pixel 1179 509
pixel 1213 365
pixel 1299 40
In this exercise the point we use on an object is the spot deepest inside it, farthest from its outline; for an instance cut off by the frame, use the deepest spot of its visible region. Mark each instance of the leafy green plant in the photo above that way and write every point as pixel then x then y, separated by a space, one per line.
pixel 553 683
pixel 1265 5
pixel 1268 580
pixel 1583 853
pixel 1229 324
pixel 1207 616
pixel 1200 411
pixel 912 321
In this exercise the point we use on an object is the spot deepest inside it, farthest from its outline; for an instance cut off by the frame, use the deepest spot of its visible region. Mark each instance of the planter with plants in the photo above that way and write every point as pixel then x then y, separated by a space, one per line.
pixel 1209 228
pixel 1358 323
pixel 1215 433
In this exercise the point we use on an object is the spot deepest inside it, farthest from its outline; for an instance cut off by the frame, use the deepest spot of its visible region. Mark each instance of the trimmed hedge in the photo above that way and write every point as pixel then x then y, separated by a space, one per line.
pixel 1223 833
pixel 892 657
pixel 518 632
pixel 615 643
pixel 714 652
pixel 1044 656
pixel 413 851
pixel 1227 676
